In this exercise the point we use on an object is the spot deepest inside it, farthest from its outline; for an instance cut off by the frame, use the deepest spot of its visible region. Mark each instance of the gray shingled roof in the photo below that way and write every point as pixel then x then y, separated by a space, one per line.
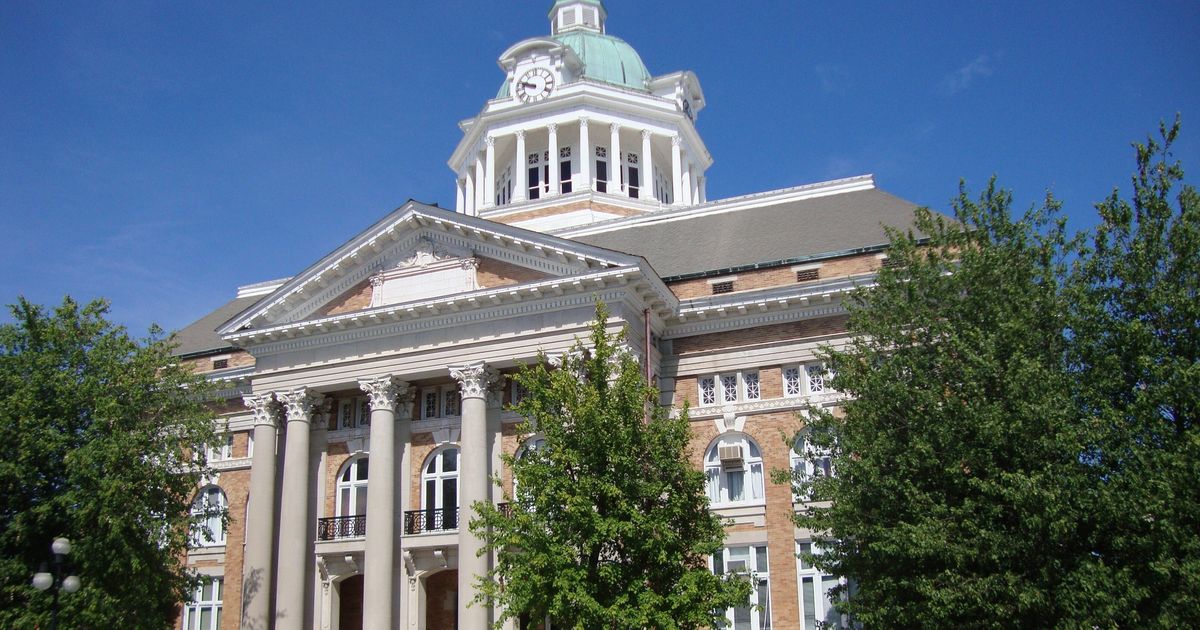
pixel 201 335
pixel 791 230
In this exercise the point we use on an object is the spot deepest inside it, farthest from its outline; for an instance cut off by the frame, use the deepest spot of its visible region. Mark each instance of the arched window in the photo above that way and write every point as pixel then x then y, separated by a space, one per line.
pixel 207 510
pixel 530 445
pixel 809 461
pixel 734 470
pixel 352 488
pixel 439 479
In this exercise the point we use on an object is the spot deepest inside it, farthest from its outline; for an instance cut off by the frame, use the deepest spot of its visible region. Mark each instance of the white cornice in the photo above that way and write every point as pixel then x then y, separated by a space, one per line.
pixel 732 204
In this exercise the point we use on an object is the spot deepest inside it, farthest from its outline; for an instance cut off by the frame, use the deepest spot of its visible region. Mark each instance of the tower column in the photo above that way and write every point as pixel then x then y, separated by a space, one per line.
pixel 701 189
pixel 489 169
pixel 614 146
pixel 585 156
pixel 290 608
pixel 480 197
pixel 474 381
pixel 646 164
pixel 384 393
pixel 553 160
pixel 676 171
pixel 469 192
pixel 687 182
pixel 520 170
pixel 460 198
pixel 260 518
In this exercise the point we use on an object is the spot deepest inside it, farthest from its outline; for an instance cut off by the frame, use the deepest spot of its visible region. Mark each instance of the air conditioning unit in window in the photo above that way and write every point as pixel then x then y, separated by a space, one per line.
pixel 731 457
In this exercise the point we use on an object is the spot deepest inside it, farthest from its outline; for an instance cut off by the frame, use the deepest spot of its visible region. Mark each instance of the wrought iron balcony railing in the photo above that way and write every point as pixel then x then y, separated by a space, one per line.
pixel 430 520
pixel 336 527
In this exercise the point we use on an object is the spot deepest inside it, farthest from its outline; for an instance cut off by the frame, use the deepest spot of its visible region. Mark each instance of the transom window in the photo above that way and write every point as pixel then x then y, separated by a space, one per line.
pixel 733 469
pixel 353 412
pixel 729 388
pixel 203 611
pixel 749 559
pixel 812 378
pixel 441 402
pixel 222 449
pixel 352 488
pixel 207 509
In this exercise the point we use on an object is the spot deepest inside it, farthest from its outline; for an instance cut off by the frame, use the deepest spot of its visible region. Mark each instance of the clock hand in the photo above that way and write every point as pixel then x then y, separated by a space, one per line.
pixel 528 85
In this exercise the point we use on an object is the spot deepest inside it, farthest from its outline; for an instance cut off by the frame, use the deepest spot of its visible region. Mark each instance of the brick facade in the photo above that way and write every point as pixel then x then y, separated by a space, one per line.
pixel 783 275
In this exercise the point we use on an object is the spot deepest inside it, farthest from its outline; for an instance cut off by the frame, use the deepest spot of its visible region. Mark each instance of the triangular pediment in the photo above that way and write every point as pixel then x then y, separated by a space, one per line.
pixel 420 253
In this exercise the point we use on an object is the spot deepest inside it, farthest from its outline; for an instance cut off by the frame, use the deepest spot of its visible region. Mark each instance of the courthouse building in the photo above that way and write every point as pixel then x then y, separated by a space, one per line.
pixel 363 399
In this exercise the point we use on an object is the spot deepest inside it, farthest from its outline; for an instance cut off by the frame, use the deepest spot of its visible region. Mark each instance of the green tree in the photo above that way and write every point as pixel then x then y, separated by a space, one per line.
pixel 960 498
pixel 98 434
pixel 1136 346
pixel 610 527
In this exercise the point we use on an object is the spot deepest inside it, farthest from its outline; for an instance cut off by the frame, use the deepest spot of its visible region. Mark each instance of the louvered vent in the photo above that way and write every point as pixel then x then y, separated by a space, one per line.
pixel 722 287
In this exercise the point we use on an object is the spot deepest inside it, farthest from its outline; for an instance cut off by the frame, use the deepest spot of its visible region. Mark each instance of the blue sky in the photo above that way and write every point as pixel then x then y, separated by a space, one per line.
pixel 160 154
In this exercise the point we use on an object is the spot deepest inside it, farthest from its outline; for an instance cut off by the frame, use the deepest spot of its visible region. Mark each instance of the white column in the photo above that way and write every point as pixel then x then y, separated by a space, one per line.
pixel 469 188
pixel 687 182
pixel 460 197
pixel 260 518
pixel 676 171
pixel 646 169
pixel 384 392
pixel 614 160
pixel 480 193
pixel 489 169
pixel 553 129
pixel 520 170
pixel 701 189
pixel 294 516
pixel 474 380
pixel 585 156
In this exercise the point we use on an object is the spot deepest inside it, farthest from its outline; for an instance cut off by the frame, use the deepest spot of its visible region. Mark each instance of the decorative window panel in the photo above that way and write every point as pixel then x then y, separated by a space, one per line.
pixel 751 385
pixel 791 381
pixel 729 391
pixel 816 378
pixel 708 390
pixel 804 275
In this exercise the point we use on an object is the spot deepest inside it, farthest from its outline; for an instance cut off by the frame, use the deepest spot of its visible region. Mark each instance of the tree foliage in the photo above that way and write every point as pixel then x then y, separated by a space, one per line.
pixel 1136 294
pixel 98 434
pixel 610 527
pixel 1019 447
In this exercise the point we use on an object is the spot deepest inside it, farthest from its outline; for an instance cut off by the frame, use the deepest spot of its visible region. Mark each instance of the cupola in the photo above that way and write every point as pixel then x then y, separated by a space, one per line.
pixel 577 15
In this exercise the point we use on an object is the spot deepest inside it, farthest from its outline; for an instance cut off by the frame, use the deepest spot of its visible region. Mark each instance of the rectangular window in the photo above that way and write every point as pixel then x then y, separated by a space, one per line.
pixel 804 275
pixel 223 449
pixel 817 610
pixel 518 393
pixel 564 170
pixel 722 287
pixel 220 364
pixel 429 409
pixel 750 386
pixel 634 182
pixel 751 559
pixel 535 187
pixel 708 390
pixel 601 174
pixel 346 414
pixel 452 399
pixel 729 391
pixel 203 612
pixel 791 381
pixel 816 378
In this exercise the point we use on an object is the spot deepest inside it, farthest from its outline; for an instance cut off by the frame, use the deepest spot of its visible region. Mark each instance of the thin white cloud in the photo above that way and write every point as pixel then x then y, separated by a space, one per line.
pixel 962 78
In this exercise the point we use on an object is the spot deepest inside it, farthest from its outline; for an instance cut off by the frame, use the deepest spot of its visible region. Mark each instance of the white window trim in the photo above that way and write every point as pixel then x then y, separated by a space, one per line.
pixel 440 392
pixel 753 477
pixel 816 578
pixel 196 606
pixel 720 389
pixel 762 583
pixel 352 485
pixel 200 506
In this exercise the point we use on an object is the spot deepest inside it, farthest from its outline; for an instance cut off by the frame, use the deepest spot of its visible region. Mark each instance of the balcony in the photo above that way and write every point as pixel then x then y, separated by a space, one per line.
pixel 338 527
pixel 431 520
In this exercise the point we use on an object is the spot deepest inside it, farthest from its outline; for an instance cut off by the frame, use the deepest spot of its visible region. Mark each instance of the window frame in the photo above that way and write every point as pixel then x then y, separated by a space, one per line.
pixel 724 393
pixel 752 480
pixel 818 584
pixel 756 554
pixel 352 487
pixel 202 508
pixel 196 606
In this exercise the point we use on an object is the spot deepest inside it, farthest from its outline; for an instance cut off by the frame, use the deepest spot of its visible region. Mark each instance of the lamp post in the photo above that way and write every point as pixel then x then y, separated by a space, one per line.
pixel 43 579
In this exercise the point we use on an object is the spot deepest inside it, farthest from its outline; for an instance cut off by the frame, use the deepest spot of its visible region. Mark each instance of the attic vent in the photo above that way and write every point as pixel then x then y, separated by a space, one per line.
pixel 220 364
pixel 589 16
pixel 892 263
pixel 731 457
pixel 722 287
pixel 804 275
pixel 568 18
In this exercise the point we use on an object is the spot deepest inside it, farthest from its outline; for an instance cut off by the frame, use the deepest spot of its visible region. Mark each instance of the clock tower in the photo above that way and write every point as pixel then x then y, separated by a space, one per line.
pixel 580 132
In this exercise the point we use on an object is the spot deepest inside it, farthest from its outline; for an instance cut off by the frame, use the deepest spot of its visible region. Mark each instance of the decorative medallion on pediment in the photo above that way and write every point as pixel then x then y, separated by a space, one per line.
pixel 428 270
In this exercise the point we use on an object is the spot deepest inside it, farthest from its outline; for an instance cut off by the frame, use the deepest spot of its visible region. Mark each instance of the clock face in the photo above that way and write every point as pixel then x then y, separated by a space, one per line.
pixel 535 85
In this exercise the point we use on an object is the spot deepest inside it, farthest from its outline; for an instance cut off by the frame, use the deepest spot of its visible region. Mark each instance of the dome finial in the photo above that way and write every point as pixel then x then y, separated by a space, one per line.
pixel 570 15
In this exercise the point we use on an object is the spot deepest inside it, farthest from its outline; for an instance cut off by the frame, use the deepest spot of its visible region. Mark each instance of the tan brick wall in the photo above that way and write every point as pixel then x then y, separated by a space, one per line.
pixel 778 276
pixel 236 358
pixel 563 209
pixel 356 299
pixel 441 600
pixel 495 273
pixel 422 446
pixel 760 335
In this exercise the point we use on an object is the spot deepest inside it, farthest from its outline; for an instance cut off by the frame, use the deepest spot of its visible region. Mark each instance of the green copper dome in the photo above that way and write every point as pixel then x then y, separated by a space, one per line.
pixel 605 58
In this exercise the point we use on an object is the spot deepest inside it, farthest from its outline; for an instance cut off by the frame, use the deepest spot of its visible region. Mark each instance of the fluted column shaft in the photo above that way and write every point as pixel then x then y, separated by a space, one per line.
pixel 480 193
pixel 384 393
pixel 585 156
pixel 552 128
pixel 299 405
pixel 474 380
pixel 489 172
pixel 469 192
pixel 615 147
pixel 676 171
pixel 646 164
pixel 260 518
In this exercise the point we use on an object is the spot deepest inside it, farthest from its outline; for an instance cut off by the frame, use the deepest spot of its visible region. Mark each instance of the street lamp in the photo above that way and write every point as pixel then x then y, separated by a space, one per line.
pixel 43 580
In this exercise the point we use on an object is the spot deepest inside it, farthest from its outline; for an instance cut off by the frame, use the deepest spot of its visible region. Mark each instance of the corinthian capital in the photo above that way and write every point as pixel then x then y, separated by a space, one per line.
pixel 474 379
pixel 264 407
pixel 300 403
pixel 383 392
